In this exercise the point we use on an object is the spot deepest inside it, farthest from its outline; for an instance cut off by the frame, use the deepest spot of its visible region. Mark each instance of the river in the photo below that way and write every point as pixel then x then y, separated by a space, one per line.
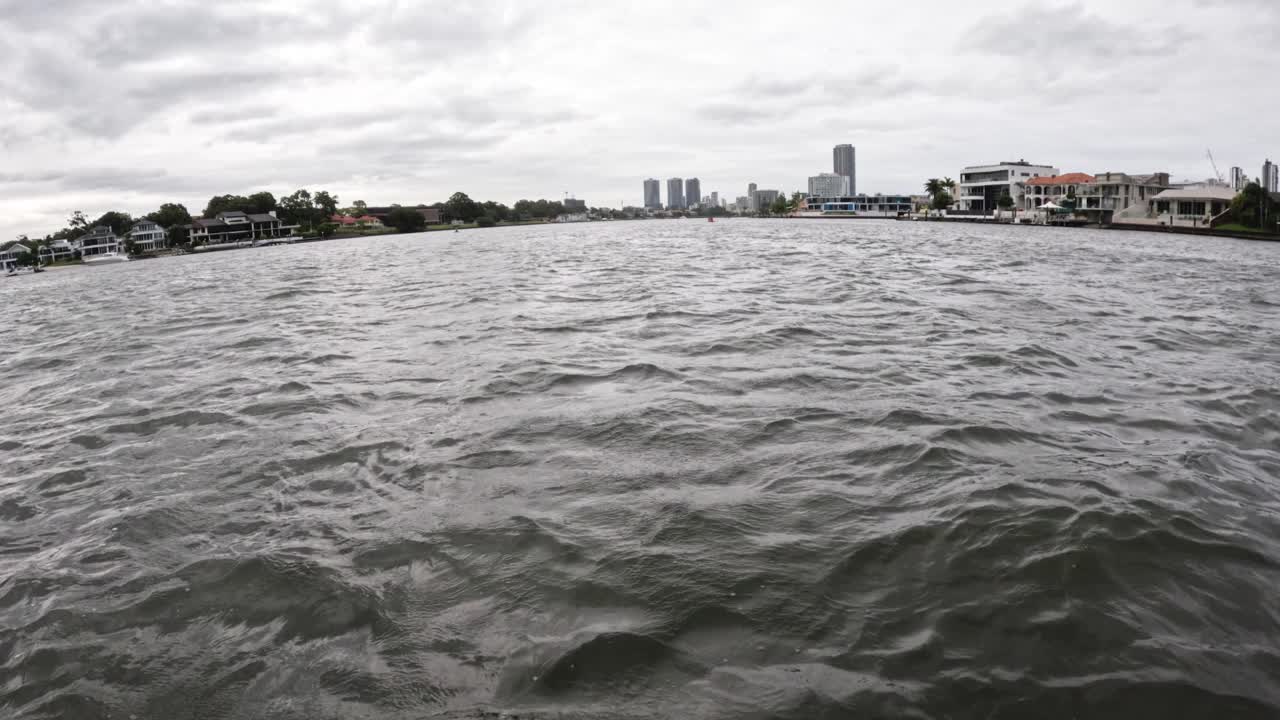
pixel 670 469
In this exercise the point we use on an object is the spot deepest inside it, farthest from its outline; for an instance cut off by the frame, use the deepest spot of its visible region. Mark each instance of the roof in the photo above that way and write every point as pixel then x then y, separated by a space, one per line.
pixel 10 245
pixel 232 213
pixel 263 217
pixel 367 218
pixel 101 230
pixel 1198 192
pixel 1067 179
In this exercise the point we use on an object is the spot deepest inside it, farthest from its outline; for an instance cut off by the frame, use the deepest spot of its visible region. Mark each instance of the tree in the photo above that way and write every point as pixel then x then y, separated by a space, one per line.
pixel 780 206
pixel 406 220
pixel 461 207
pixel 933 187
pixel 179 236
pixel 949 185
pixel 1253 207
pixel 1005 201
pixel 219 204
pixel 77 223
pixel 170 215
pixel 260 203
pixel 298 208
pixel 486 221
pixel 328 229
pixel 358 209
pixel 942 200
pixel 119 222
pixel 326 204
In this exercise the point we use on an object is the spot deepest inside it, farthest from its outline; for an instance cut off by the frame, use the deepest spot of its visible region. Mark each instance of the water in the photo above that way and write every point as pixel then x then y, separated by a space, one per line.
pixel 755 469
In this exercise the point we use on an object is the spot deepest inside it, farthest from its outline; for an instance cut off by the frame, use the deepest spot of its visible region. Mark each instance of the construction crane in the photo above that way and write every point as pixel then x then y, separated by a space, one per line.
pixel 1215 167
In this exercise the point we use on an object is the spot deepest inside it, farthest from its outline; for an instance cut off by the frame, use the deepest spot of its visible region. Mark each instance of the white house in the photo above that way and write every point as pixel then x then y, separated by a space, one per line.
pixel 10 254
pixel 1119 197
pixel 59 249
pixel 146 236
pixel 1193 204
pixel 100 240
pixel 982 185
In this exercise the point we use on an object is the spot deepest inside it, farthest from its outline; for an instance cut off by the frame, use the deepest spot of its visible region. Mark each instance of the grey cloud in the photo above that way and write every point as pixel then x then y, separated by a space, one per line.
pixel 1069 33
pixel 223 115
pixel 739 113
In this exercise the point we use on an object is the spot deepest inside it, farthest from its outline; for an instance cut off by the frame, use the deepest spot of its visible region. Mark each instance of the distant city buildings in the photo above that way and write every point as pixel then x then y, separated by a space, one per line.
pixel 675 194
pixel 829 185
pixel 715 199
pixel 572 205
pixel 846 164
pixel 1238 178
pixel 742 204
pixel 1270 176
pixel 982 185
pixel 692 193
pixel 751 196
pixel 761 199
pixel 652 194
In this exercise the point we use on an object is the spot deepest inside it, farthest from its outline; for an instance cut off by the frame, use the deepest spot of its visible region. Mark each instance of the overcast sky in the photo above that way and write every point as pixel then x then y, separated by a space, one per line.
pixel 125 104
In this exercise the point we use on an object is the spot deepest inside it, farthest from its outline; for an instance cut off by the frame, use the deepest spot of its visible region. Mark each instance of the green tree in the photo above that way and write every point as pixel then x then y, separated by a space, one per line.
pixel 933 186
pixel 224 203
pixel 298 209
pixel 486 221
pixel 1253 207
pixel 461 207
pixel 780 206
pixel 942 200
pixel 260 203
pixel 1005 201
pixel 328 229
pixel 326 204
pixel 179 236
pixel 78 223
pixel 358 209
pixel 406 220
pixel 119 222
pixel 170 215
pixel 949 185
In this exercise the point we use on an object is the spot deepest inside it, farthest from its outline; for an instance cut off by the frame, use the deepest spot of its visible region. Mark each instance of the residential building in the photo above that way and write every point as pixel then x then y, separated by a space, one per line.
pixel 887 205
pixel 675 194
pixel 1270 176
pixel 1238 179
pixel 234 227
pixel 1116 196
pixel 10 253
pixel 100 240
pixel 742 204
pixel 59 249
pixel 762 199
pixel 146 236
pixel 430 214
pixel 1054 189
pixel 982 185
pixel 829 185
pixel 846 163
pixel 575 206
pixel 692 193
pixel 1197 203
pixel 751 196
pixel 652 195
pixel 715 199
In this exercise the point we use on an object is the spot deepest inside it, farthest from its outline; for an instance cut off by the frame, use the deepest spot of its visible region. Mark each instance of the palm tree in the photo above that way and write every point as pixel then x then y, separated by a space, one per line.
pixel 933 187
pixel 949 185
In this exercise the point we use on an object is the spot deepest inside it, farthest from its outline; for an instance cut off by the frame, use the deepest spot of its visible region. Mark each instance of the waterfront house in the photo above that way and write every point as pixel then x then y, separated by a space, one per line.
pixel 234 227
pixel 884 205
pixel 146 236
pixel 369 222
pixel 10 253
pixel 1118 197
pixel 982 185
pixel 56 250
pixel 1038 191
pixel 1192 204
pixel 100 240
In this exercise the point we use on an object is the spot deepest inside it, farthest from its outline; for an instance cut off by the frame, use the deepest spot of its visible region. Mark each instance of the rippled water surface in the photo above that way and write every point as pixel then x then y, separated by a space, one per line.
pixel 752 469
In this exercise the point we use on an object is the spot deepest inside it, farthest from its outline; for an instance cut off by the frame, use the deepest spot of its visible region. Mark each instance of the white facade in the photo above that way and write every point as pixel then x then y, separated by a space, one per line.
pixel 1113 197
pixel 1238 179
pixel 101 240
pixel 9 256
pixel 1270 176
pixel 982 185
pixel 828 185
pixel 147 236
pixel 1192 204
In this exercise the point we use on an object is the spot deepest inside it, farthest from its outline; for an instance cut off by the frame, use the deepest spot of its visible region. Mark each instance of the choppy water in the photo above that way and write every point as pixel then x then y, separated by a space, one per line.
pixel 648 470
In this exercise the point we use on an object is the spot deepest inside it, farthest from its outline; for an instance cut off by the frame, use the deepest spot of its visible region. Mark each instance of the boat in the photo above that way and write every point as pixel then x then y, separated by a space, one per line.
pixel 711 219
pixel 106 258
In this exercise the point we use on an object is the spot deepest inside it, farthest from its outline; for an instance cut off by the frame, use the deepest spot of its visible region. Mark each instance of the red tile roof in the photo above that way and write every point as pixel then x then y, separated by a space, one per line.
pixel 1068 179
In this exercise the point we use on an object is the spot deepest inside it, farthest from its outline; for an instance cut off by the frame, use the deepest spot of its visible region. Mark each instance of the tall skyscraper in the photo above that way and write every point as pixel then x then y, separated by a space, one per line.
pixel 1238 179
pixel 692 193
pixel 751 196
pixel 846 164
pixel 675 194
pixel 652 194
pixel 1270 176
pixel 715 199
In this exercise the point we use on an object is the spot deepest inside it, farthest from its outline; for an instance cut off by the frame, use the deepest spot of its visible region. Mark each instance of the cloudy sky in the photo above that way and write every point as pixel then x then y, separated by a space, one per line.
pixel 125 104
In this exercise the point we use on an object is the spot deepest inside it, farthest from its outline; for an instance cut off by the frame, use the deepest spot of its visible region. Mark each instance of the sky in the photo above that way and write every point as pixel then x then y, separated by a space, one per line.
pixel 127 104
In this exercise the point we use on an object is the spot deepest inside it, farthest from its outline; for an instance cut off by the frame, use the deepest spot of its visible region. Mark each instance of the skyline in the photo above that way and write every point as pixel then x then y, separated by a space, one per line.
pixel 176 110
